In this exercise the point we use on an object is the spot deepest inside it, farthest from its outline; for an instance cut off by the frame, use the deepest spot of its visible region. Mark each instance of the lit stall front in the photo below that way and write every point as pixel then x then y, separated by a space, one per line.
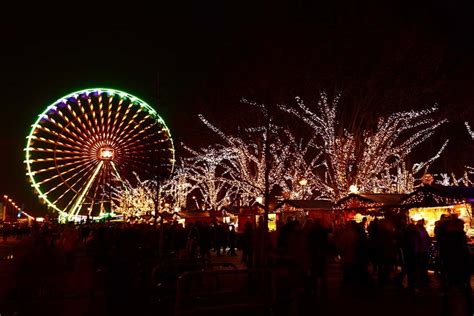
pixel 430 202
pixel 301 210
pixel 356 206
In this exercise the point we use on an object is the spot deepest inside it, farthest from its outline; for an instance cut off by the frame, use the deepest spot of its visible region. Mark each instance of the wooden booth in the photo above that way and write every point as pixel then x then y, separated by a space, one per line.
pixel 430 201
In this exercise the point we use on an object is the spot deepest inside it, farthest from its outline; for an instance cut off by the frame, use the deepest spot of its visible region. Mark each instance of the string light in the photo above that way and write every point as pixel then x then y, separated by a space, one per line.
pixel 373 161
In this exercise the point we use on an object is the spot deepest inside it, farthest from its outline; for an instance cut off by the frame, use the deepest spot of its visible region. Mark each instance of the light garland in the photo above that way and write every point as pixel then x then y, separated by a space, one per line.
pixel 374 161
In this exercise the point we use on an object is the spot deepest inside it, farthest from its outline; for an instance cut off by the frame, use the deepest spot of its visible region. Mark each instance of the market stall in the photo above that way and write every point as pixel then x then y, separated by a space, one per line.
pixel 356 206
pixel 301 210
pixel 430 202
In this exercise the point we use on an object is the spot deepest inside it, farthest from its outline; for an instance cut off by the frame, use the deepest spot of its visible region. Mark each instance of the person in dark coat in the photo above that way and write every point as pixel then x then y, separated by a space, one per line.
pixel 247 245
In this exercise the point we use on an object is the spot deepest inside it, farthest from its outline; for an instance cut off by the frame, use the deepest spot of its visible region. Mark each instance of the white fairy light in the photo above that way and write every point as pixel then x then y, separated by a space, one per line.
pixel 374 161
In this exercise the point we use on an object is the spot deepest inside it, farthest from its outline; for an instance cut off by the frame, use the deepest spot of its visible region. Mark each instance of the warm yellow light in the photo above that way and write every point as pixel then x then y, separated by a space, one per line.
pixel 303 182
pixel 353 189
pixel 106 153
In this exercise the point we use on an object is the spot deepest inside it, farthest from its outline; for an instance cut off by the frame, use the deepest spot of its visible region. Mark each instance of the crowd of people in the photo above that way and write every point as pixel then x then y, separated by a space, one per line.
pixel 385 251
pixel 379 252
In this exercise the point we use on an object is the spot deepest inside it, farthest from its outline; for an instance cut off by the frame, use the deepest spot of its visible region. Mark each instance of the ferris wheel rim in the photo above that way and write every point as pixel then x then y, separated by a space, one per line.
pixel 52 106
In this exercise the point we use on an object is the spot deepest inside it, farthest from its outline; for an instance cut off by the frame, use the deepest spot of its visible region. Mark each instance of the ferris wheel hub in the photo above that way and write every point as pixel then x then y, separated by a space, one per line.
pixel 106 153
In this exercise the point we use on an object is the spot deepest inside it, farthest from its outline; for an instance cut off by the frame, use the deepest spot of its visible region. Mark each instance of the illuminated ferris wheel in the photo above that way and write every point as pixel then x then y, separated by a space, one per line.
pixel 90 140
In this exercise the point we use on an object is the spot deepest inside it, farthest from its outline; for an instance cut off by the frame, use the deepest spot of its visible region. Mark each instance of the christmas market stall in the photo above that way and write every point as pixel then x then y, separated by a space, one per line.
pixel 430 202
pixel 229 215
pixel 253 214
pixel 193 216
pixel 356 206
pixel 304 209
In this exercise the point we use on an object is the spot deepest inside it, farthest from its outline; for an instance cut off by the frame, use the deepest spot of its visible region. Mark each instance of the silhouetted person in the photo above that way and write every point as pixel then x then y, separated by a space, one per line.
pixel 318 242
pixel 456 259
pixel 247 245
pixel 423 255
pixel 411 250
pixel 205 241
pixel 192 241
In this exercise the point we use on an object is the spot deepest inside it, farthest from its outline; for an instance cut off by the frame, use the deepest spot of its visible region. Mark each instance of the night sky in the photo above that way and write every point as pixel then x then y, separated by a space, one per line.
pixel 205 58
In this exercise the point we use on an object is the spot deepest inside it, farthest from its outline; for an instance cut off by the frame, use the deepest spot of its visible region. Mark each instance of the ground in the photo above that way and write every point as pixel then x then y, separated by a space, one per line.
pixel 78 291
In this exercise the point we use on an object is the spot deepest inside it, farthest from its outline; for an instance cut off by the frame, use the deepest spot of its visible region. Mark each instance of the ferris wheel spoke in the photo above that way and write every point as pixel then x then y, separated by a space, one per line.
pixel 70 188
pixel 109 117
pixel 76 208
pixel 117 173
pixel 49 159
pixel 51 150
pixel 142 142
pixel 66 181
pixel 59 175
pixel 132 127
pixel 95 113
pixel 60 166
pixel 80 126
pixel 49 131
pixel 52 142
pixel 102 118
pixel 122 117
pixel 96 190
pixel 64 128
pixel 115 121
pixel 95 109
pixel 135 133
pixel 85 114
pixel 78 132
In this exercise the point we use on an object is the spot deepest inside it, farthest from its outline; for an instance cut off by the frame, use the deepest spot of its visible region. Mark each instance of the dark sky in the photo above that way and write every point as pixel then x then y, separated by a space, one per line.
pixel 204 58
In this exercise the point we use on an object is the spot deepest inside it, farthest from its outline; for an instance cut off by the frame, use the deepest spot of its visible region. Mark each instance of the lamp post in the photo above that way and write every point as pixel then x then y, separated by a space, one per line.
pixel 195 201
pixel 303 182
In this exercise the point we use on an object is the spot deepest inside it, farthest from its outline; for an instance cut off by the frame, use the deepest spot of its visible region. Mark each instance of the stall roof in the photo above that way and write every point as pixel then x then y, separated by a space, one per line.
pixel 308 204
pixel 436 195
pixel 375 198
pixel 194 213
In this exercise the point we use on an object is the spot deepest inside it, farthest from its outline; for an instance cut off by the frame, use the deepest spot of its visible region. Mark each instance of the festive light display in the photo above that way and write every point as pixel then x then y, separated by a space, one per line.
pixel 244 162
pixel 16 207
pixel 469 130
pixel 451 179
pixel 207 174
pixel 331 163
pixel 138 199
pixel 469 169
pixel 371 160
pixel 85 140
pixel 178 187
pixel 135 200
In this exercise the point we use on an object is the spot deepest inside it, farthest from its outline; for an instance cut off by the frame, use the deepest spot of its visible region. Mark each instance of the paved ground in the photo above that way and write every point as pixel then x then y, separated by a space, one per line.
pixel 35 282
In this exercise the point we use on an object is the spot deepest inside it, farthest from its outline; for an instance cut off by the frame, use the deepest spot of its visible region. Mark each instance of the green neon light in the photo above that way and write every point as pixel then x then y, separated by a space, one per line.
pixel 122 94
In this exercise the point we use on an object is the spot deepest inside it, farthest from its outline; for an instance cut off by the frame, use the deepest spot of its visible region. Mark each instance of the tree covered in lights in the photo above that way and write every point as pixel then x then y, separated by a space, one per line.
pixel 371 160
pixel 269 157
pixel 206 173
pixel 453 179
pixel 178 186
pixel 268 148
pixel 139 198
pixel 134 200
